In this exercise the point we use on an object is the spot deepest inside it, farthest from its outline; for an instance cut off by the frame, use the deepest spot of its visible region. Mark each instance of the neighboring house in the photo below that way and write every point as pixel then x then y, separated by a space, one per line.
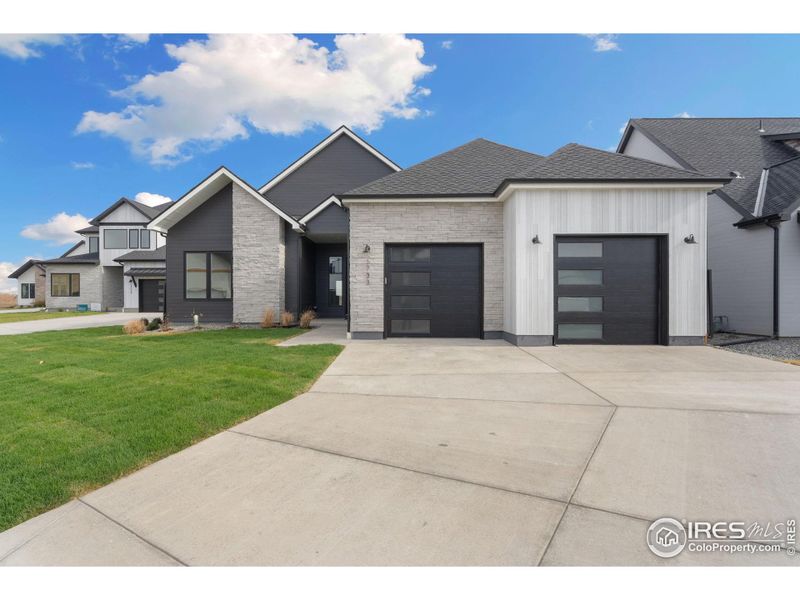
pixel 144 272
pixel 582 246
pixel 753 221
pixel 30 283
pixel 91 272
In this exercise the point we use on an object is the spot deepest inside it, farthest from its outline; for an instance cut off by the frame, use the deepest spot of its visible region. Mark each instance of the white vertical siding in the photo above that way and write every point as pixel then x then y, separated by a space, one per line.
pixel 550 212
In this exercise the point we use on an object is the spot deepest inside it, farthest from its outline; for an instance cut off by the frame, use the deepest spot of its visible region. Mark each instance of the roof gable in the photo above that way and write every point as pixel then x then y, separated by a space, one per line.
pixel 342 131
pixel 205 190
pixel 24 268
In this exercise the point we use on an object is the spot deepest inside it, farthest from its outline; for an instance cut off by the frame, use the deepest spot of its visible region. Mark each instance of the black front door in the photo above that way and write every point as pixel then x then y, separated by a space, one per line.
pixel 607 290
pixel 151 295
pixel 433 290
pixel 331 281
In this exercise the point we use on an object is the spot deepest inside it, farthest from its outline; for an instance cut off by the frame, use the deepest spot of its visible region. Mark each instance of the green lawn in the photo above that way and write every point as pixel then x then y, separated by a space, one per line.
pixel 81 408
pixel 35 316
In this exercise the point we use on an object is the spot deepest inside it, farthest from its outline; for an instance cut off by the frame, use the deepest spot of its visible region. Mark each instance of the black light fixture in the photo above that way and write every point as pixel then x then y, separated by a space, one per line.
pixel 536 240
pixel 689 239
pixel 366 248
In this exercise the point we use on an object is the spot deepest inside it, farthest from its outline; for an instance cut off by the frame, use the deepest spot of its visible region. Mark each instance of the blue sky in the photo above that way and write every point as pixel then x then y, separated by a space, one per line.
pixel 228 106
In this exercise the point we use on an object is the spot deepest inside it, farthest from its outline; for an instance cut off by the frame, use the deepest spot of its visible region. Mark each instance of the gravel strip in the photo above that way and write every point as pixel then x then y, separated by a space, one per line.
pixel 781 349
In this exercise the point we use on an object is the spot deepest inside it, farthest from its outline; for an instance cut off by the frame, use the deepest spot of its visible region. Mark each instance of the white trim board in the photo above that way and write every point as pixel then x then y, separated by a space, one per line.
pixel 319 148
pixel 194 198
pixel 318 209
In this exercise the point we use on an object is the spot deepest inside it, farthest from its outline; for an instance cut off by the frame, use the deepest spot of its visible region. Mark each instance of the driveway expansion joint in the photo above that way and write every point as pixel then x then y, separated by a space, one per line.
pixel 132 532
pixel 401 468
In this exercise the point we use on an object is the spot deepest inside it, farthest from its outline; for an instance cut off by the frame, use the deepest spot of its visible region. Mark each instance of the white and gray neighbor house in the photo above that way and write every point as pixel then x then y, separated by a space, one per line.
pixel 753 221
pixel 484 241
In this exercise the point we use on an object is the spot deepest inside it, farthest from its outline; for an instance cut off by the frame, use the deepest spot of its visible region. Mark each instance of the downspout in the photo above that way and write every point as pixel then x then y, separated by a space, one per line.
pixel 776 276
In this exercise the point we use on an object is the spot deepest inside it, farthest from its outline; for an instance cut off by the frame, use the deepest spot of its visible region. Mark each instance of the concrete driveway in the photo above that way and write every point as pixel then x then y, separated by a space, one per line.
pixel 101 320
pixel 434 453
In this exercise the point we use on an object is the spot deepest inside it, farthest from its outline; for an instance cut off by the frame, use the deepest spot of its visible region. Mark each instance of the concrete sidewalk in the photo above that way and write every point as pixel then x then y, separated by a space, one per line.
pixel 451 454
pixel 101 320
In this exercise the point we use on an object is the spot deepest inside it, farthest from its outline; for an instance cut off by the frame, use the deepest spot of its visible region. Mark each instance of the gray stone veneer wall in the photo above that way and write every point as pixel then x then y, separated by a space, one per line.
pixel 374 224
pixel 91 286
pixel 258 259
pixel 113 288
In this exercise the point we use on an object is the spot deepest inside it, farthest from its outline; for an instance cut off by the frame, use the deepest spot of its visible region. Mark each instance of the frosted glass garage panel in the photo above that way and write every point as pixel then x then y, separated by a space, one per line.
pixel 580 249
pixel 580 277
pixel 580 331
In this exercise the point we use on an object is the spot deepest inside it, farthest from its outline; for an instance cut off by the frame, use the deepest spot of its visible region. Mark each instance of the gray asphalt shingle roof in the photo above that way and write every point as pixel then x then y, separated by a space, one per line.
pixel 783 186
pixel 725 145
pixel 89 258
pixel 576 162
pixel 474 169
pixel 480 168
pixel 158 254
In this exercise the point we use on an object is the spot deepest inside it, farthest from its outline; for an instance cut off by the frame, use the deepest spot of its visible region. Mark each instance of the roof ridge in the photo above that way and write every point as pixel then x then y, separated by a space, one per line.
pixel 710 118
pixel 507 146
pixel 783 162
pixel 628 157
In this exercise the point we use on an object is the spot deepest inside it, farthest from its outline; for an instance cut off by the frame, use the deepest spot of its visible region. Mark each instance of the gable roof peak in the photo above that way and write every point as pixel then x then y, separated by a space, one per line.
pixel 327 141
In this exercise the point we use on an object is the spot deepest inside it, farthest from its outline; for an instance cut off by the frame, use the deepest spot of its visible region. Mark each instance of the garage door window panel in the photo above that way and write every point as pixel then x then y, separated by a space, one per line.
pixel 411 326
pixel 580 277
pixel 580 249
pixel 580 331
pixel 411 279
pixel 580 304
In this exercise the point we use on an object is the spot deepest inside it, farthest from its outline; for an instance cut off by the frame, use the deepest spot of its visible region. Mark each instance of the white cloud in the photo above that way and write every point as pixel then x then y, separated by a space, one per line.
pixel 137 38
pixel 7 285
pixel 447 44
pixel 277 84
pixel 604 42
pixel 25 46
pixel 58 231
pixel 683 115
pixel 151 199
pixel 623 128
pixel 82 165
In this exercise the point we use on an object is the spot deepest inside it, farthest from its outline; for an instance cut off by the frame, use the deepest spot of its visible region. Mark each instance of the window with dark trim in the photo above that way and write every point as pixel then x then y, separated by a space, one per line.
pixel 208 276
pixel 28 291
pixel 115 239
pixel 133 238
pixel 94 244
pixel 145 239
pixel 64 285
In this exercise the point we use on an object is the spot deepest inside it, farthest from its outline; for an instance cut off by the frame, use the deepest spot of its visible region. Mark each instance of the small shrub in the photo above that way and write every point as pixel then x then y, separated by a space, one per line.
pixel 154 324
pixel 287 318
pixel 134 327
pixel 165 324
pixel 268 320
pixel 145 321
pixel 306 317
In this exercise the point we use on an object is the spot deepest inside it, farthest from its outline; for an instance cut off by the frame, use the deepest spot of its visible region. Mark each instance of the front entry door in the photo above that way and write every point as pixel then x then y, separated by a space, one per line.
pixel 331 280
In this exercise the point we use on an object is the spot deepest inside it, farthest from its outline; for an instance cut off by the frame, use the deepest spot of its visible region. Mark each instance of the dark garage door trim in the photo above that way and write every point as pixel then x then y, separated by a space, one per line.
pixel 387 287
pixel 662 279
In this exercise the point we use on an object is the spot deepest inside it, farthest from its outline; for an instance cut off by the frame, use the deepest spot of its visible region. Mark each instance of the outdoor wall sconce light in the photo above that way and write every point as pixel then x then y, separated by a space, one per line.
pixel 366 248
pixel 536 240
pixel 689 239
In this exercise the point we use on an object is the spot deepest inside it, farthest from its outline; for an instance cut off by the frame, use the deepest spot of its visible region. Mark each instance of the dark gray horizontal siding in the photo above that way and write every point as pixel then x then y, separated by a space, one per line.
pixel 207 228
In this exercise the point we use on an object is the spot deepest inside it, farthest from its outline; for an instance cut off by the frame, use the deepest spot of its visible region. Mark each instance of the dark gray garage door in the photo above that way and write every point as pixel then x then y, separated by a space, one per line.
pixel 433 290
pixel 607 290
